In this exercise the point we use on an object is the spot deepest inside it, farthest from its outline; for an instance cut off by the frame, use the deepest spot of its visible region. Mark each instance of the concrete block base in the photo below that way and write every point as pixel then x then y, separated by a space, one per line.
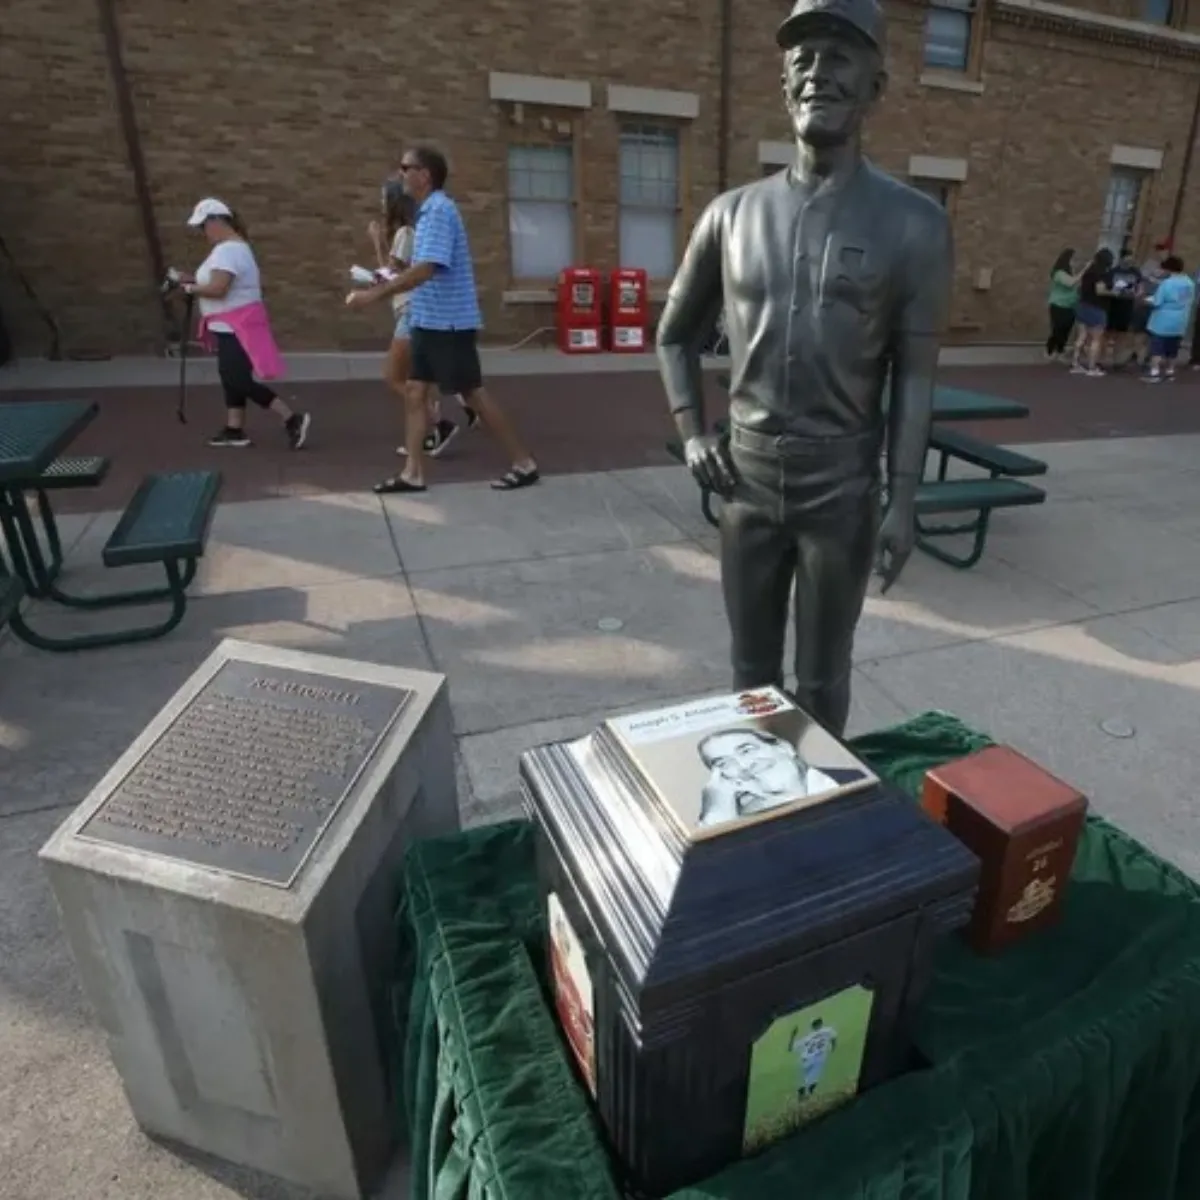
pixel 248 1019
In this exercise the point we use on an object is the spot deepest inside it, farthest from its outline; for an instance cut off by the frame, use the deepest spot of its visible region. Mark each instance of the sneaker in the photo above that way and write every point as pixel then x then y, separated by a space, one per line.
pixel 1152 377
pixel 436 440
pixel 429 445
pixel 471 415
pixel 1094 373
pixel 1078 369
pixel 445 431
pixel 297 429
pixel 230 437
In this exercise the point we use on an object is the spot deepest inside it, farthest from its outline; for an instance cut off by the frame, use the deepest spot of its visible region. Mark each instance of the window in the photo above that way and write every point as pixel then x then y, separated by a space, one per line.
pixel 649 225
pixel 541 211
pixel 948 31
pixel 936 189
pixel 1157 12
pixel 1118 222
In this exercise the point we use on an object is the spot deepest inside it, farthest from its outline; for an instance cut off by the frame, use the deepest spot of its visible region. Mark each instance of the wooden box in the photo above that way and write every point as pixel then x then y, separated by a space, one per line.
pixel 1024 826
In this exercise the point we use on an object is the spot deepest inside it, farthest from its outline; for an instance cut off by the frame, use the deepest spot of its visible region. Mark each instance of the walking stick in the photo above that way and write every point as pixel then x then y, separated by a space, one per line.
pixel 189 305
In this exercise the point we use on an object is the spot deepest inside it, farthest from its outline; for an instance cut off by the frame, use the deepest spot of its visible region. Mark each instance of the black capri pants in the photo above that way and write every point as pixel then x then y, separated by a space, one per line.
pixel 1062 321
pixel 236 373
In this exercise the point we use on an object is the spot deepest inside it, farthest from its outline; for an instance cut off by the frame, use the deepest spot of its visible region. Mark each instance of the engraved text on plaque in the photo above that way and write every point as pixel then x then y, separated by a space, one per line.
pixel 252 772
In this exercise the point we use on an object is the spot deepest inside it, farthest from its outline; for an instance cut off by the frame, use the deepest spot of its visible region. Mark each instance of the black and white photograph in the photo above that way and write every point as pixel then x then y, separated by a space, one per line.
pixel 722 761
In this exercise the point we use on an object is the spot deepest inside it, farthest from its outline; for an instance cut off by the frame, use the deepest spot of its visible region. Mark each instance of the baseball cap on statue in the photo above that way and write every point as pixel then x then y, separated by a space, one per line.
pixel 865 17
pixel 209 208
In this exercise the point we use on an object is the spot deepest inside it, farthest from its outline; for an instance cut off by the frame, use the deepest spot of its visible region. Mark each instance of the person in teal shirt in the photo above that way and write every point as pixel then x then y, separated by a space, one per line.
pixel 1064 295
pixel 1170 307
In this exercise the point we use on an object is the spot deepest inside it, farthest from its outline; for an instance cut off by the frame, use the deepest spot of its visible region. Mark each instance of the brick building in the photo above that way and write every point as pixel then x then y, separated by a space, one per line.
pixel 577 132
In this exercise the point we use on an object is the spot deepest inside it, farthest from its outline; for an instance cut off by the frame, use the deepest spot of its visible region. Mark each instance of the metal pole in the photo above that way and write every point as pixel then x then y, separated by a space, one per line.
pixel 185 338
pixel 1186 170
pixel 133 147
pixel 725 108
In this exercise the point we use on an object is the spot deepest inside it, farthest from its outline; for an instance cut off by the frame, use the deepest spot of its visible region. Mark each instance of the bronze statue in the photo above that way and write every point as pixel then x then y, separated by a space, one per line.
pixel 832 275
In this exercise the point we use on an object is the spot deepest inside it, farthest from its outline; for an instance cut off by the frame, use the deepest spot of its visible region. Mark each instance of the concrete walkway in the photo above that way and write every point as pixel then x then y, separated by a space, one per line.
pixel 1077 639
pixel 37 374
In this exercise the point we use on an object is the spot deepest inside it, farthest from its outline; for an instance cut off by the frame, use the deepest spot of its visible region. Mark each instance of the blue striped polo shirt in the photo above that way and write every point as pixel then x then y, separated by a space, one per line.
pixel 448 300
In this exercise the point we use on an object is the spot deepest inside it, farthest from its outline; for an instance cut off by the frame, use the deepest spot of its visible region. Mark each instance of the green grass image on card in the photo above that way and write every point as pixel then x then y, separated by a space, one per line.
pixel 805 1064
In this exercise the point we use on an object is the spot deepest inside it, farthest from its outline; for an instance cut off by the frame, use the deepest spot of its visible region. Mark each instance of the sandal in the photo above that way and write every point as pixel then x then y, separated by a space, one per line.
pixel 397 485
pixel 515 479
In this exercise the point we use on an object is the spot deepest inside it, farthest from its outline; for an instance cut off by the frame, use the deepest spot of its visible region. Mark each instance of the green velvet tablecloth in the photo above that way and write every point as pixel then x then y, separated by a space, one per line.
pixel 1067 1068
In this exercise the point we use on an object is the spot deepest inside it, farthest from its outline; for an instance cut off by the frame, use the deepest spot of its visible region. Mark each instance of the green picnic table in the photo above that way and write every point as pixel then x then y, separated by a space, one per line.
pixel 166 523
pixel 959 404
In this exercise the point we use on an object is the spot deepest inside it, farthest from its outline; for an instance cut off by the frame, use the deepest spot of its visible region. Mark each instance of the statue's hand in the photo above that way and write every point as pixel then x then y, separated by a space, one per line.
pixel 707 457
pixel 897 534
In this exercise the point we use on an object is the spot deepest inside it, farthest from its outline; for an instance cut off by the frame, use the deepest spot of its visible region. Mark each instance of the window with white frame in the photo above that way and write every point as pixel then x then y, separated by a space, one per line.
pixel 649 221
pixel 948 29
pixel 541 210
pixel 1118 219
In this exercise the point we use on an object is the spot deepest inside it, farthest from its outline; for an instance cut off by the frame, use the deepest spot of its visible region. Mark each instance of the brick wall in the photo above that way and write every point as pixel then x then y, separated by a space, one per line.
pixel 293 113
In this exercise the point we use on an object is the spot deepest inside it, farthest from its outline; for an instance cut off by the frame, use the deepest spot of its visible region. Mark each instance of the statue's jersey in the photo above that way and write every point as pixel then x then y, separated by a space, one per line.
pixel 818 296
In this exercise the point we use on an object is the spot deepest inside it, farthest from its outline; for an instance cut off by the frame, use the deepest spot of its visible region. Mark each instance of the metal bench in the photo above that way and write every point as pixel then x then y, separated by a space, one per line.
pixel 74 471
pixel 996 460
pixel 980 496
pixel 69 473
pixel 167 522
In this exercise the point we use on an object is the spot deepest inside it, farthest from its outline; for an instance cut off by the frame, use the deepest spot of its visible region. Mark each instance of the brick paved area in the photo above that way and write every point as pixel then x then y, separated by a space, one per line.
pixel 574 423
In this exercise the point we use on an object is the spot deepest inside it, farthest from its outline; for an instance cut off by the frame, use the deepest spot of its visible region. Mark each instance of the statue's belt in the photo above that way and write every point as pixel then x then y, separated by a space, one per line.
pixel 861 447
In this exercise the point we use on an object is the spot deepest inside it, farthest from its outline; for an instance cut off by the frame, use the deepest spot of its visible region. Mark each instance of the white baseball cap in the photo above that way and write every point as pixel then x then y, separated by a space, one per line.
pixel 209 208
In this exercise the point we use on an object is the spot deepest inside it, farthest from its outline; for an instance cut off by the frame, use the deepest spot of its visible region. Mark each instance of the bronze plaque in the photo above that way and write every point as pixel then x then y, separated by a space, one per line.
pixel 248 777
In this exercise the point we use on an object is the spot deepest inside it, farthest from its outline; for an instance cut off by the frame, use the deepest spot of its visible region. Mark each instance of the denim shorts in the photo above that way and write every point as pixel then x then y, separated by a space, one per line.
pixel 403 330
pixel 1091 316
pixel 1164 347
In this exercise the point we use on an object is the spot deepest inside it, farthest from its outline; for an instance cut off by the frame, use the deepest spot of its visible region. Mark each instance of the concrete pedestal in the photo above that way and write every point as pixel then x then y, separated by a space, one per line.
pixel 231 912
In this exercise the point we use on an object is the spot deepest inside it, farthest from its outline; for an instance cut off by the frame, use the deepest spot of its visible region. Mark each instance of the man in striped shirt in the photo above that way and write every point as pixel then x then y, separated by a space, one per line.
pixel 445 320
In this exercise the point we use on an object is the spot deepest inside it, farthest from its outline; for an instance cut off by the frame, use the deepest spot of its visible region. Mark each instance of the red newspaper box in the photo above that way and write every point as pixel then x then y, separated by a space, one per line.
pixel 579 310
pixel 629 315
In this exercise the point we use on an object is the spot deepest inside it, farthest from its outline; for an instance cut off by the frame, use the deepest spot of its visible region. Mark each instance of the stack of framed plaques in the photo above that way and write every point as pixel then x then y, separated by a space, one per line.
pixel 741 918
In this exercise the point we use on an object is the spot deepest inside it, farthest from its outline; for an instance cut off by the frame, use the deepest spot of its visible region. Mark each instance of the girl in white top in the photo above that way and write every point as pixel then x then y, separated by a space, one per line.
pixel 226 280
pixel 393 242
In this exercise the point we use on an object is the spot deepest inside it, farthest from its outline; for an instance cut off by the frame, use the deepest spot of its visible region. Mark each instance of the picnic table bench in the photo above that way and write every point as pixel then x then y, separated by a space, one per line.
pixel 166 522
pixel 1003 487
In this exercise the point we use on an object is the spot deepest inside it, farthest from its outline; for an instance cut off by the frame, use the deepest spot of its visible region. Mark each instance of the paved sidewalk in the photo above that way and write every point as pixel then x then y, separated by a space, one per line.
pixel 336 366
pixel 592 417
pixel 1077 639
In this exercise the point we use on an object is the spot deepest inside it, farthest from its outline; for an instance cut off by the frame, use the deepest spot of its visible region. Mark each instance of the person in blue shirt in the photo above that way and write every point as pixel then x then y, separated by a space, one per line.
pixel 1170 307
pixel 444 320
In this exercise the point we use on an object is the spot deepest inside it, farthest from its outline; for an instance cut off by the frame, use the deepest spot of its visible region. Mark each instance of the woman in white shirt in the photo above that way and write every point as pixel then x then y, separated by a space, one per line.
pixel 393 242
pixel 227 280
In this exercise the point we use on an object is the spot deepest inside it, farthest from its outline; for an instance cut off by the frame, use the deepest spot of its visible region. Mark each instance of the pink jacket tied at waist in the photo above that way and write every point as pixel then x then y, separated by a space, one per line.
pixel 252 327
